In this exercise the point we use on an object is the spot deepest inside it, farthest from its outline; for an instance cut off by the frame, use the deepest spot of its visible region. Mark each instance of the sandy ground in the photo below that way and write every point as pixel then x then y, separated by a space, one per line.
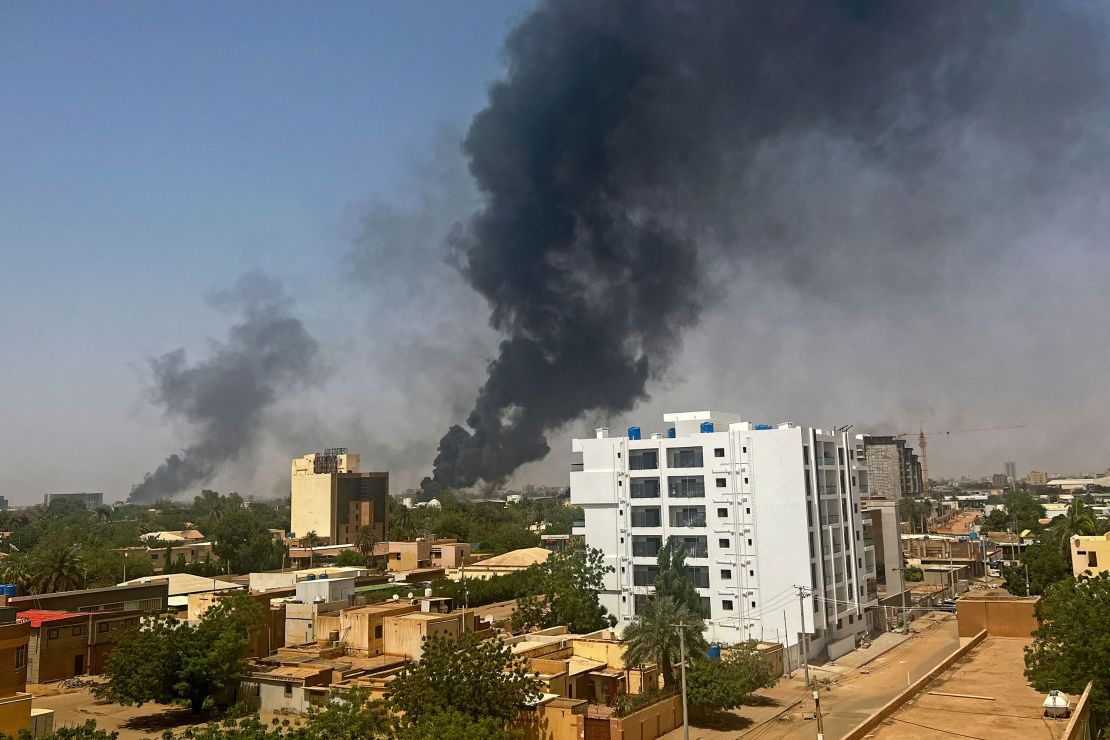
pixel 852 688
pixel 77 706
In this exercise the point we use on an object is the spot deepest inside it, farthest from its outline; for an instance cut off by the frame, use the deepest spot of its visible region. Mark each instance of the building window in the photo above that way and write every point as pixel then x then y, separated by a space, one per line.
pixel 698 575
pixel 753 605
pixel 52 634
pixel 684 457
pixel 718 452
pixel 1092 559
pixel 747 510
pixel 695 547
pixel 686 516
pixel 644 487
pixel 288 689
pixel 686 487
pixel 744 450
pixel 745 481
pixel 21 657
pixel 76 631
pixel 726 575
pixel 643 459
pixel 749 542
pixel 751 573
pixel 102 627
pixel 646 516
pixel 377 632
pixel 722 513
pixel 644 575
pixel 726 604
pixel 646 546
pixel 723 542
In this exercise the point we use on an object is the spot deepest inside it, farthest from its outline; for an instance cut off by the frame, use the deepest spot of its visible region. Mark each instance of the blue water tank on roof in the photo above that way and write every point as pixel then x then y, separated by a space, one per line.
pixel 974 535
pixel 706 427
pixel 763 426
pixel 311 577
pixel 671 433
pixel 633 432
pixel 323 576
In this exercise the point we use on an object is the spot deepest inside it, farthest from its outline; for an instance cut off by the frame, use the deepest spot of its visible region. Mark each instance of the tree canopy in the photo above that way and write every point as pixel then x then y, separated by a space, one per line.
pixel 1072 644
pixel 569 583
pixel 167 660
pixel 717 685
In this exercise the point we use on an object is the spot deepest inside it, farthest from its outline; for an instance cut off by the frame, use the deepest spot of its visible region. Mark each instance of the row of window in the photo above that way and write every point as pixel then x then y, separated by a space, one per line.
pixel 101 627
pixel 640 602
pixel 677 486
pixel 679 516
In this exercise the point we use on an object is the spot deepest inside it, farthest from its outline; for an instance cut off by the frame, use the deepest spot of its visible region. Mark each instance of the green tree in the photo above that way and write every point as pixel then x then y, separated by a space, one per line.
pixel 673 577
pixel 569 582
pixel 364 541
pixel 718 685
pixel 1046 565
pixel 477 679
pixel 914 574
pixel 242 541
pixel 350 558
pixel 653 636
pixel 1077 520
pixel 1072 644
pixel 57 566
pixel 451 724
pixel 168 660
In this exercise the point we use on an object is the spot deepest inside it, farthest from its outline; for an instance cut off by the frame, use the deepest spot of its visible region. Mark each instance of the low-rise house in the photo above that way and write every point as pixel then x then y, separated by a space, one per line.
pixel 180 585
pixel 67 644
pixel 510 562
pixel 15 702
pixel 152 596
pixel 163 556
pixel 1090 555
pixel 173 536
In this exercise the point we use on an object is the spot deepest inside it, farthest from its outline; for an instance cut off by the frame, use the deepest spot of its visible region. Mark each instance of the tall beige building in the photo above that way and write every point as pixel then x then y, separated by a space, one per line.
pixel 1038 478
pixel 333 498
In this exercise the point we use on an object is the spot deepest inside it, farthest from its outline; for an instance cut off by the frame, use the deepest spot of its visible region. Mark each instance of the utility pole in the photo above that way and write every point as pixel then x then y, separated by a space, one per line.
pixel 682 668
pixel 1027 592
pixel 817 711
pixel 905 611
pixel 802 644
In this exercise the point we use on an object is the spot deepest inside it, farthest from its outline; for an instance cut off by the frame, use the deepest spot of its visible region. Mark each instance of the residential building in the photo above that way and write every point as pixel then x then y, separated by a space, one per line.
pixel 331 497
pixel 67 644
pixel 438 553
pixel 1090 554
pixel 761 511
pixel 508 562
pixel 15 702
pixel 180 585
pixel 171 553
pixel 90 500
pixel 140 597
pixel 882 532
pixel 893 470
pixel 1037 478
pixel 174 536
pixel 1000 480
pixel 1010 469
pixel 3 503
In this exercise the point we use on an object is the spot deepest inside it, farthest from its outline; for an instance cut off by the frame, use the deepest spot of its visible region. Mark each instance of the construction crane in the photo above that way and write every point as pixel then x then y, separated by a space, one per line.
pixel 923 445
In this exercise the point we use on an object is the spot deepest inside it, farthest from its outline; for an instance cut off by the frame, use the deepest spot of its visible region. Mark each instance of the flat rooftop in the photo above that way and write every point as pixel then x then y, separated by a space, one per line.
pixel 983 695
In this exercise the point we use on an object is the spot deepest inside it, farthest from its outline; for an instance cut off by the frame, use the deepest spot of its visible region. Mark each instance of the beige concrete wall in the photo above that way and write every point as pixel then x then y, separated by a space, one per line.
pixel 1012 617
pixel 312 500
pixel 553 721
pixel 1090 555
pixel 1079 726
pixel 359 628
pixel 405 636
pixel 15 714
pixel 648 723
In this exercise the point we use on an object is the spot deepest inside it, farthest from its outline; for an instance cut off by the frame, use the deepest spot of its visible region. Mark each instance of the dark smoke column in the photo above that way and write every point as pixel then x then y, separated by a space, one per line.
pixel 590 293
pixel 224 398
pixel 636 143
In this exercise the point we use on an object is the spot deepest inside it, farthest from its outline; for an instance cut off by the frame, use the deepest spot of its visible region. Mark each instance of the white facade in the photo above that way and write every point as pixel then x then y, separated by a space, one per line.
pixel 762 510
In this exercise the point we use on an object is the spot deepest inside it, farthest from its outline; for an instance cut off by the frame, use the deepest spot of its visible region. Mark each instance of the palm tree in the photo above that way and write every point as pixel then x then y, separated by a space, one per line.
pixel 365 540
pixel 14 570
pixel 1078 519
pixel 653 636
pixel 311 541
pixel 59 567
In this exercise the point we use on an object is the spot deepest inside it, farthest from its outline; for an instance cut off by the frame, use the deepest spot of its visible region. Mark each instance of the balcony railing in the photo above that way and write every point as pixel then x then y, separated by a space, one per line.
pixel 577 467
pixel 688 521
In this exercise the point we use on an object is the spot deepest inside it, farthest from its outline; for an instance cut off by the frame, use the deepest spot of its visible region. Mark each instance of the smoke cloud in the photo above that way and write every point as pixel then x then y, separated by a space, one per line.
pixel 638 156
pixel 224 398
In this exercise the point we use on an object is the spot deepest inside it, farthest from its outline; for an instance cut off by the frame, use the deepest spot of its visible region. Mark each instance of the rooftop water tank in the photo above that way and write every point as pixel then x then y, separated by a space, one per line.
pixel 763 426
pixel 706 427
pixel 633 432
pixel 311 577
pixel 1056 704
pixel 714 651
pixel 323 576
pixel 670 433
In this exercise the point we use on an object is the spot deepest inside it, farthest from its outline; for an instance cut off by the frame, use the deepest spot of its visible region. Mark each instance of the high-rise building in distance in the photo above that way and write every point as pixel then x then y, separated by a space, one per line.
pixel 90 500
pixel 334 499
pixel 1011 472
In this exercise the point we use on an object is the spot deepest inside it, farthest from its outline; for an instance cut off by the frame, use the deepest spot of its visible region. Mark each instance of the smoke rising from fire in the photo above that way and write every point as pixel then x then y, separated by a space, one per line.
pixel 638 153
pixel 224 398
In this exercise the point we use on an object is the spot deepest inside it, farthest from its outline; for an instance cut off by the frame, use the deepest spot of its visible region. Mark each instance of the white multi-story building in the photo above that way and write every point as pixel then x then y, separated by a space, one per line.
pixel 761 510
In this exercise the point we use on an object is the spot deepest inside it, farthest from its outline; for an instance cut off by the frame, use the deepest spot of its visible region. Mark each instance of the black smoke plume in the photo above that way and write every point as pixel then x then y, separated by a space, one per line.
pixel 616 163
pixel 224 398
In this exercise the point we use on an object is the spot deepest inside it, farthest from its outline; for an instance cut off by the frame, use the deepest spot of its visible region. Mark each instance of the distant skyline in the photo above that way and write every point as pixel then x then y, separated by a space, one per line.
pixel 151 153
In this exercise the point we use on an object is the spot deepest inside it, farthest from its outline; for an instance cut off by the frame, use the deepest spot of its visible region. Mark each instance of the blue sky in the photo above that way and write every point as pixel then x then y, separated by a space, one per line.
pixel 152 151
